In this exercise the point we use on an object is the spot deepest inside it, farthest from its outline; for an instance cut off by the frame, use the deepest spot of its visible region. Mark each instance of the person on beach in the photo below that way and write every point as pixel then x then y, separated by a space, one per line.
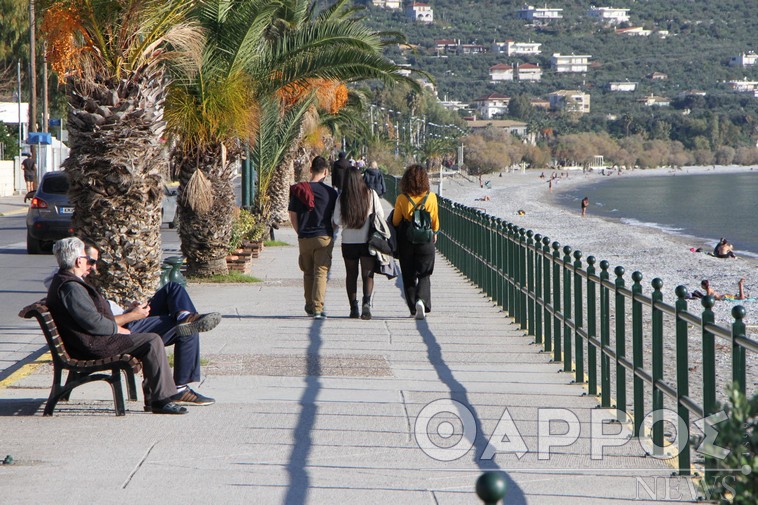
pixel 310 209
pixel 724 249
pixel 416 259
pixel 709 291
pixel 585 204
pixel 353 212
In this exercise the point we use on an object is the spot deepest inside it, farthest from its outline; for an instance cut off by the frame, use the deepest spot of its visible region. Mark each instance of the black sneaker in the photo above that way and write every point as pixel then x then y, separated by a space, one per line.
pixel 168 408
pixel 354 313
pixel 366 314
pixel 319 315
pixel 309 311
pixel 196 323
pixel 189 397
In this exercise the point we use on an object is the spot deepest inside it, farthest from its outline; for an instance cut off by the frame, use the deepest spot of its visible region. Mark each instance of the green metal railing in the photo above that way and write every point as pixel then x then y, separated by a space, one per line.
pixel 563 303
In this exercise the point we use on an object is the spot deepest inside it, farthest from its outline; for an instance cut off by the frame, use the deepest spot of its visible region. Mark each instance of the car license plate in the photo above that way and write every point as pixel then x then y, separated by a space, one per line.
pixel 66 210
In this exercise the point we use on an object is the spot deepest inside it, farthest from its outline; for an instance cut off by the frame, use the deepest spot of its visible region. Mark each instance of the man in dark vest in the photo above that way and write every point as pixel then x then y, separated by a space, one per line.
pixel 89 330
pixel 339 169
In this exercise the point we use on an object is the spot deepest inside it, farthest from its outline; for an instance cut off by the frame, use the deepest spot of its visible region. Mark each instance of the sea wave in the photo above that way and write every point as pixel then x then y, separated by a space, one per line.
pixel 658 226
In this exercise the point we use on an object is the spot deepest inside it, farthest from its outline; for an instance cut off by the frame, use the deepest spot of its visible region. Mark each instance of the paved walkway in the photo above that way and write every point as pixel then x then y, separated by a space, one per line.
pixel 327 412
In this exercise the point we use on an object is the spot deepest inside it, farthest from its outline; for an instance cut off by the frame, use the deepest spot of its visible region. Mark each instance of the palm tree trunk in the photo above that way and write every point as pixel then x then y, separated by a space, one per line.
pixel 205 234
pixel 116 168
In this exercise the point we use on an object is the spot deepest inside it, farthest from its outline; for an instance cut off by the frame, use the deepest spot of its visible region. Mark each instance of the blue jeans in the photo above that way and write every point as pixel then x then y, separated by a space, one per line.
pixel 167 302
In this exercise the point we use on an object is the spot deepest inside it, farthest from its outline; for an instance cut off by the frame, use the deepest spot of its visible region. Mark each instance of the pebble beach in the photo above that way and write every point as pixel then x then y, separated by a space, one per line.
pixel 653 252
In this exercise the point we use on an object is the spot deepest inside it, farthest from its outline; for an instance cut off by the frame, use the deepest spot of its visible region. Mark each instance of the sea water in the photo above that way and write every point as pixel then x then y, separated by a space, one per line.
pixel 707 206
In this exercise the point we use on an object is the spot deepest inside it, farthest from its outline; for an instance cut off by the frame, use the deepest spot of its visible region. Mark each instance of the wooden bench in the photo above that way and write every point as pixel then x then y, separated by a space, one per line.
pixel 82 371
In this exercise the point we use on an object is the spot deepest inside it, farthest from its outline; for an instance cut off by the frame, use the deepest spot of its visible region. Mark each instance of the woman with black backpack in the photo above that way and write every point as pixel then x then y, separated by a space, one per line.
pixel 417 220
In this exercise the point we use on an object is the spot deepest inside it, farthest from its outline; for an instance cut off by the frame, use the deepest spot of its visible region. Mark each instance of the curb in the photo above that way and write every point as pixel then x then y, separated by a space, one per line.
pixel 25 370
pixel 13 212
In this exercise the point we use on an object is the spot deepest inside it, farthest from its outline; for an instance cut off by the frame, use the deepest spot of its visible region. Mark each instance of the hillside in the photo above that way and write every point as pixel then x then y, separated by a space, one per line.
pixel 691 42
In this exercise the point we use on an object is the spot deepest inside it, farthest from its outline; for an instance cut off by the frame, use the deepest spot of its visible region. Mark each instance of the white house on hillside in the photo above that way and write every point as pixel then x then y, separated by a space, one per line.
pixel 570 100
pixel 501 72
pixel 654 101
pixel 634 31
pixel 420 12
pixel 622 86
pixel 570 62
pixel 609 14
pixel 528 72
pixel 528 48
pixel 744 60
pixel 388 4
pixel 539 16
pixel 743 86
pixel 491 105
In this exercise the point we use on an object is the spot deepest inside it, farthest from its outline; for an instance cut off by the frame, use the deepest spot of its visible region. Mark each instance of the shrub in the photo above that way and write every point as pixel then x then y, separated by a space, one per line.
pixel 246 228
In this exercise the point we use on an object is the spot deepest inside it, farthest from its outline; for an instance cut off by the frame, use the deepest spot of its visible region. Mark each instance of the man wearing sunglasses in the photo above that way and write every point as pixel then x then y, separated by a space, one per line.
pixel 171 314
pixel 90 331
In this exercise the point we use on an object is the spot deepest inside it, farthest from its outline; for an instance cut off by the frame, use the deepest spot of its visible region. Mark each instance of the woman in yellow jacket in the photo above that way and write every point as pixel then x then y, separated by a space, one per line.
pixel 416 259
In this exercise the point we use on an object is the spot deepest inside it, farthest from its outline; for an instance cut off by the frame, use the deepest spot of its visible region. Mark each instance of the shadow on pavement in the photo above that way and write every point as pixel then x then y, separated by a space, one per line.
pixel 514 494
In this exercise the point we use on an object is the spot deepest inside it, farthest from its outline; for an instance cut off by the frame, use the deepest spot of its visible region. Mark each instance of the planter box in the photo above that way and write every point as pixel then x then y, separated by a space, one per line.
pixel 255 248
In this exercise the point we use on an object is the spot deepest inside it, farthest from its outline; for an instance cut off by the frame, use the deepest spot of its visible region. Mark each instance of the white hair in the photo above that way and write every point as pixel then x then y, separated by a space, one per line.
pixel 67 250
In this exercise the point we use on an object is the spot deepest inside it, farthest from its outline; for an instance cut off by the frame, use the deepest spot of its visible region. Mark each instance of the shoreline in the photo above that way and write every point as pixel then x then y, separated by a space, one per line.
pixel 652 251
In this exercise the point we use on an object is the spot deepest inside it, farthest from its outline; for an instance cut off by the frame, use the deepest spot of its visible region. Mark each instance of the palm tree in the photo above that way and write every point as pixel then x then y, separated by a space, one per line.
pixel 111 54
pixel 271 56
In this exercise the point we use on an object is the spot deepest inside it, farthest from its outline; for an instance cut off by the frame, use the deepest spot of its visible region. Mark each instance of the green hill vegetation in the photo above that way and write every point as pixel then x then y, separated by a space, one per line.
pixel 691 42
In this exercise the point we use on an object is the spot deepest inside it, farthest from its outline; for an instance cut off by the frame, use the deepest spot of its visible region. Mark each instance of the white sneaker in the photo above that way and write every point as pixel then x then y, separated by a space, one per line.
pixel 420 310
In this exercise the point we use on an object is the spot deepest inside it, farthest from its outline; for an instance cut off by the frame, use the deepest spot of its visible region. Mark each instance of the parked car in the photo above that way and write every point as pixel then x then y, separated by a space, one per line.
pixel 50 212
pixel 49 215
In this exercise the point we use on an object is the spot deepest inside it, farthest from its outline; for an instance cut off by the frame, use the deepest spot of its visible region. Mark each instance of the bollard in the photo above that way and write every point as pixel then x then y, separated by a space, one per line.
pixel 165 271
pixel 175 274
pixel 490 487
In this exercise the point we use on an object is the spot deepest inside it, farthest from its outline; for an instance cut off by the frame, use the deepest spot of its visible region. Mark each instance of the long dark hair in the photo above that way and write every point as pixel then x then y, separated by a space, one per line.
pixel 354 199
pixel 415 181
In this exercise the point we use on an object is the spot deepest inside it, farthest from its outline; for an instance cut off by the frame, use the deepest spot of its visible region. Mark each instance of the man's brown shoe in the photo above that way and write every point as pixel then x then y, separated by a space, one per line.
pixel 196 323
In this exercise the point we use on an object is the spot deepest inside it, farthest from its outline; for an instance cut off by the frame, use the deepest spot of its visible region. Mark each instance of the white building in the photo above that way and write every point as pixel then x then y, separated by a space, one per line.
pixel 634 31
pixel 514 127
pixel 491 105
pixel 609 14
pixel 622 86
pixel 528 48
pixel 654 101
pixel 420 12
pixel 501 72
pixel 744 60
pixel 570 62
pixel 539 16
pixel 570 100
pixel 388 4
pixel 743 86
pixel 528 72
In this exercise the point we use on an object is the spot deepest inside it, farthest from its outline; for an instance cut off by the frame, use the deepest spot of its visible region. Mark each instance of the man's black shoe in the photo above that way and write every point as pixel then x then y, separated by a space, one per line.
pixel 169 408
pixel 196 323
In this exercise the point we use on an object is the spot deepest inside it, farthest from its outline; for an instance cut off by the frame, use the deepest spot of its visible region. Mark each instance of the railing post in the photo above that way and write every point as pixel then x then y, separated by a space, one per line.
pixel 605 335
pixel 565 266
pixel 537 308
pixel 516 279
pixel 738 352
pixel 639 391
pixel 657 351
pixel 502 254
pixel 531 292
pixel 620 313
pixel 578 316
pixel 591 327
pixel 709 373
pixel 546 293
pixel 556 302
pixel 682 379
pixel 511 273
pixel 522 284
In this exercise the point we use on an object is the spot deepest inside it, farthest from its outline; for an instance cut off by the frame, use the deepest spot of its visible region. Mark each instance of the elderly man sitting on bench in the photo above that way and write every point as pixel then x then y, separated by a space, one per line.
pixel 89 330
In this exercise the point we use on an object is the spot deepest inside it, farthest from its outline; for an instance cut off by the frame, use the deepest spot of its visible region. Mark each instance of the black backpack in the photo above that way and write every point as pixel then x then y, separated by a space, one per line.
pixel 419 229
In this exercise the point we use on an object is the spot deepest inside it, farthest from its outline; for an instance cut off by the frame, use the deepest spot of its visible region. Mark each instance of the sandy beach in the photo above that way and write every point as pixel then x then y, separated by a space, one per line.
pixel 653 252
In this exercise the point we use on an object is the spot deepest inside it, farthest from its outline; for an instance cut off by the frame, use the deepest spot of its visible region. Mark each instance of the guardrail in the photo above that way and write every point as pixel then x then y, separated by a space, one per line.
pixel 568 307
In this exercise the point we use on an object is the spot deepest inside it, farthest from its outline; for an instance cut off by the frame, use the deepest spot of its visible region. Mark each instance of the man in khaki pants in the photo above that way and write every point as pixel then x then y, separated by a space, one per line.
pixel 311 207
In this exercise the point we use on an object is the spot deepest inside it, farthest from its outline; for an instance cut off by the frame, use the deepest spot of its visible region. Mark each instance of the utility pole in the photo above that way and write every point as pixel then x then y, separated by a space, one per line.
pixel 32 68
pixel 46 105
